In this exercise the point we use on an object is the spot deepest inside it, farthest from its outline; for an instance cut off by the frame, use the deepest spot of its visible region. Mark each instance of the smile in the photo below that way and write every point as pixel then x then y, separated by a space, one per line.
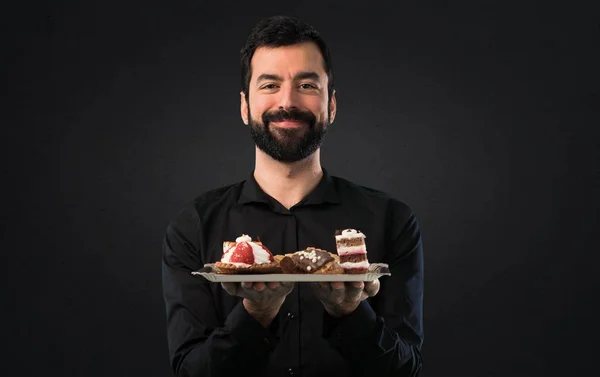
pixel 288 124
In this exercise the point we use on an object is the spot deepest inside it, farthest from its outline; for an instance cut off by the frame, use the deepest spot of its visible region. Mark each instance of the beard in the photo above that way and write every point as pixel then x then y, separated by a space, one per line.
pixel 288 144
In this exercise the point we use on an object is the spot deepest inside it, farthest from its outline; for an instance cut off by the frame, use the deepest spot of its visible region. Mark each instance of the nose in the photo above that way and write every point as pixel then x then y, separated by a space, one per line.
pixel 287 97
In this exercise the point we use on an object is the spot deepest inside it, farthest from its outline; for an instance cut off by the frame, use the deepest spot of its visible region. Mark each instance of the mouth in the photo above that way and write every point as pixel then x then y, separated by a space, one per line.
pixel 288 124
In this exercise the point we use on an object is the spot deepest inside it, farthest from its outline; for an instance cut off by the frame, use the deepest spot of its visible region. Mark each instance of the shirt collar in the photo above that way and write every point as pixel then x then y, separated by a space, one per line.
pixel 325 192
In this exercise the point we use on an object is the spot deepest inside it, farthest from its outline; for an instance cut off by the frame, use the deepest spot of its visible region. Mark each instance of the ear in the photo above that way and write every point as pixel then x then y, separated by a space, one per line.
pixel 244 108
pixel 332 107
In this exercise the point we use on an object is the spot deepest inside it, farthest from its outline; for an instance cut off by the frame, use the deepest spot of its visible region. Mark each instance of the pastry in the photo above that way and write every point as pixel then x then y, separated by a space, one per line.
pixel 245 256
pixel 352 251
pixel 310 261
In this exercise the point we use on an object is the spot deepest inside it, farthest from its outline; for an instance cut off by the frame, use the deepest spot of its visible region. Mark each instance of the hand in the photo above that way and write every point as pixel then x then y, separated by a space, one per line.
pixel 340 299
pixel 261 300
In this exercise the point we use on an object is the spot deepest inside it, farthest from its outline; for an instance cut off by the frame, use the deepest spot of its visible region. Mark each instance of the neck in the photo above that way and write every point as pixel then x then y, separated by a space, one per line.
pixel 288 183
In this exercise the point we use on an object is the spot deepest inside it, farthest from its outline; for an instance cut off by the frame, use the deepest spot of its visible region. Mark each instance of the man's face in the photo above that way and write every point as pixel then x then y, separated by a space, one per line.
pixel 288 111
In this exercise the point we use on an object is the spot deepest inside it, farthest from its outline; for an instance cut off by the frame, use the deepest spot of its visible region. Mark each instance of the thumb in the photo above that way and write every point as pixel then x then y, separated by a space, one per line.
pixel 287 287
pixel 230 288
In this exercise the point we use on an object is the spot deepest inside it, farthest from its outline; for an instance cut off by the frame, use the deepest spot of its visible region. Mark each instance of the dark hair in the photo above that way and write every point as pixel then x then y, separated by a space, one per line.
pixel 280 31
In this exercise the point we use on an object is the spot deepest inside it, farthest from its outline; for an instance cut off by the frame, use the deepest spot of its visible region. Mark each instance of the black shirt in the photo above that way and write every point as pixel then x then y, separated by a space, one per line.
pixel 211 334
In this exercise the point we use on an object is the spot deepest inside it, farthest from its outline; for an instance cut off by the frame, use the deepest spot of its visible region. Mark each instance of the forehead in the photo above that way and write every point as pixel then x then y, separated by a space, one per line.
pixel 287 60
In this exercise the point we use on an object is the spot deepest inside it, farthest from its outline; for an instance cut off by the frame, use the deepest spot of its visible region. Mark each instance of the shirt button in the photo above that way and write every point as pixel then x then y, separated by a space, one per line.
pixel 291 372
pixel 266 340
pixel 339 336
pixel 291 316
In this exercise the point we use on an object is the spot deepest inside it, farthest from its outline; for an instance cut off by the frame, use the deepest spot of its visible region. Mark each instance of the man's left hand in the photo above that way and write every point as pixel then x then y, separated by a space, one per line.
pixel 342 298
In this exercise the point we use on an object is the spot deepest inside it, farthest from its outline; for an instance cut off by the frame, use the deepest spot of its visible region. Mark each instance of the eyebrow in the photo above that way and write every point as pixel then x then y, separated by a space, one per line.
pixel 299 76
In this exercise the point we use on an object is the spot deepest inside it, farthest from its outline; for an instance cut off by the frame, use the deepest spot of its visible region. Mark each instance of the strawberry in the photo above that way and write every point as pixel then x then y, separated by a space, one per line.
pixel 242 254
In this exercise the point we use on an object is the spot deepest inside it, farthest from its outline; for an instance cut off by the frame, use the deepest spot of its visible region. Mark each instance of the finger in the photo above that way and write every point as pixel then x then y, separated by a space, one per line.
pixel 363 295
pixel 358 285
pixel 321 290
pixel 338 292
pixel 246 290
pixel 259 286
pixel 372 287
pixel 321 287
pixel 286 287
pixel 337 285
pixel 230 288
pixel 353 292
pixel 273 285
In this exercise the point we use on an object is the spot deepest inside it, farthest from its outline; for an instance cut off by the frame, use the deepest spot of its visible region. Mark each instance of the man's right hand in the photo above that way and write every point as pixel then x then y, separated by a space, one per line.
pixel 261 300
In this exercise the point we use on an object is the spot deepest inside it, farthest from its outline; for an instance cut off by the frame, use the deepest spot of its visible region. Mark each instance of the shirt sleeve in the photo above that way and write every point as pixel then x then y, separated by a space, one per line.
pixel 201 341
pixel 383 336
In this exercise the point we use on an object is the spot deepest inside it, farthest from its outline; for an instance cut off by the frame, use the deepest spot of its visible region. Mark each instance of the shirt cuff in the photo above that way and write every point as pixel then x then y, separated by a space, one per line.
pixel 359 324
pixel 246 330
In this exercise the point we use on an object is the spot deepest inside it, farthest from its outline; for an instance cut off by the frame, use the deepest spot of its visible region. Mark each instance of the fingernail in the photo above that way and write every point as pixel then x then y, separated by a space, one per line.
pixel 337 286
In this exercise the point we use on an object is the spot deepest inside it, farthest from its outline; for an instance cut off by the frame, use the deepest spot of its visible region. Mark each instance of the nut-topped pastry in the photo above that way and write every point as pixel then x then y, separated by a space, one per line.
pixel 310 261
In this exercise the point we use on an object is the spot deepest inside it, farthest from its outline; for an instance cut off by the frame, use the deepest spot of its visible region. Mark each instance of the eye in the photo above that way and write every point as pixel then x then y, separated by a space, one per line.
pixel 269 86
pixel 307 86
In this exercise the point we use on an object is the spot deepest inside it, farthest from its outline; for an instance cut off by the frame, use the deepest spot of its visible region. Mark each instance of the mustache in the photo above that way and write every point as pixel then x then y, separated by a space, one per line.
pixel 293 114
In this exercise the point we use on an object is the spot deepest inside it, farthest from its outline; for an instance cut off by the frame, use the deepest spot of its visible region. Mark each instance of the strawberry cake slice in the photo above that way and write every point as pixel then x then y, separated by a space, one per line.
pixel 245 256
pixel 352 251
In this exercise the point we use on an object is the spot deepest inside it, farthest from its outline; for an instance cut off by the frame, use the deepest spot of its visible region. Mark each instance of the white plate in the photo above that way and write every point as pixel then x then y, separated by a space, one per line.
pixel 376 270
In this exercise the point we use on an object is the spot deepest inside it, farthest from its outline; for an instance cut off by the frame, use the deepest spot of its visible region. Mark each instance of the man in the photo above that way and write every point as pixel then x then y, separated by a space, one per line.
pixel 290 202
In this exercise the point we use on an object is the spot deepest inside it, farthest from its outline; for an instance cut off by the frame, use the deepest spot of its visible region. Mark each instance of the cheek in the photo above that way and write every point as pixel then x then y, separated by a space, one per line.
pixel 313 103
pixel 258 107
pixel 318 106
pixel 321 110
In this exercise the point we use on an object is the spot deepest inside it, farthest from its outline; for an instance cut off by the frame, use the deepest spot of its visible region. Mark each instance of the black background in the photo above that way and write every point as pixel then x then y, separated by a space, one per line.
pixel 482 116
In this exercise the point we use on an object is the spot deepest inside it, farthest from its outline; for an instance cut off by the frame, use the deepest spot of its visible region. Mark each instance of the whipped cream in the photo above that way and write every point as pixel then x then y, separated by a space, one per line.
pixel 351 265
pixel 243 238
pixel 350 233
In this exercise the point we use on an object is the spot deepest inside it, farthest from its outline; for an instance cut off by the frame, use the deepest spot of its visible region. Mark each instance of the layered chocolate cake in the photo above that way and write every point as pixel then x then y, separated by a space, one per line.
pixel 352 251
